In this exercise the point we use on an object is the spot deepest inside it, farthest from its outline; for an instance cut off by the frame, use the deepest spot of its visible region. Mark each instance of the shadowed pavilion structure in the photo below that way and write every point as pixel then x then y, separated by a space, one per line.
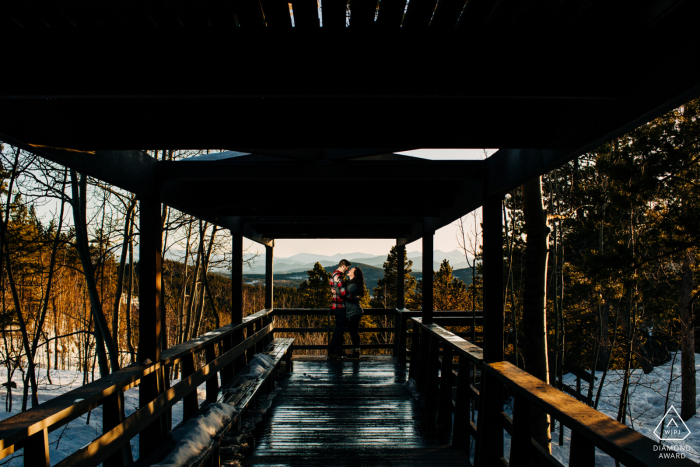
pixel 307 107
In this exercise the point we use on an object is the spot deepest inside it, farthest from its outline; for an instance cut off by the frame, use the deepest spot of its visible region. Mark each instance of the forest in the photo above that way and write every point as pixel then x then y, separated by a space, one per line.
pixel 616 230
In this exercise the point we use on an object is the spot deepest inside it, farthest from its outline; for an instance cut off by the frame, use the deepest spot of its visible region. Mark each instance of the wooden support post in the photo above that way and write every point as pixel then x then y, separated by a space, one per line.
pixel 400 286
pixel 444 419
pixel 190 403
pixel 415 352
pixel 493 280
pixel 150 318
pixel 113 415
pixel 460 434
pixel 237 294
pixel 489 445
pixel 521 452
pixel 288 359
pixel 426 340
pixel 268 278
pixel 432 380
pixel 213 381
pixel 427 291
pixel 582 452
pixel 36 450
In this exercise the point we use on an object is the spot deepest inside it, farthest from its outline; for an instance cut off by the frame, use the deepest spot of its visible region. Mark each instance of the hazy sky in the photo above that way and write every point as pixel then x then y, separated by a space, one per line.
pixel 445 238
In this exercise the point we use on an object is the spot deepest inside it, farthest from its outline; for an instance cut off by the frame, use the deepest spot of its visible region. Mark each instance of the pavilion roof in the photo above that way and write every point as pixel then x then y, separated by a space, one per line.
pixel 324 108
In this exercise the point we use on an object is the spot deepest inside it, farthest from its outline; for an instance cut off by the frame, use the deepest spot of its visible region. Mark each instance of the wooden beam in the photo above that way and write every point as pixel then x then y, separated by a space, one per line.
pixel 427 291
pixel 324 153
pixel 493 280
pixel 400 171
pixel 134 171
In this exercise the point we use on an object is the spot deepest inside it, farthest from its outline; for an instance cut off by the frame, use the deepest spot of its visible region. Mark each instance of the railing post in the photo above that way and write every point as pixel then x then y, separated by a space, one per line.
pixel 489 446
pixel 226 371
pixel 112 415
pixel 582 452
pixel 521 440
pixel 431 377
pixel 397 326
pixel 444 419
pixel 400 287
pixel 250 353
pixel 426 341
pixel 400 338
pixel 150 317
pixel 415 352
pixel 427 291
pixel 260 345
pixel 460 433
pixel 190 403
pixel 36 450
pixel 213 380
pixel 268 277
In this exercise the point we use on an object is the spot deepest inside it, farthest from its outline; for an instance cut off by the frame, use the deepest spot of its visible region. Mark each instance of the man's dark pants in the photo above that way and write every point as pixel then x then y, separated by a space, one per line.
pixel 341 323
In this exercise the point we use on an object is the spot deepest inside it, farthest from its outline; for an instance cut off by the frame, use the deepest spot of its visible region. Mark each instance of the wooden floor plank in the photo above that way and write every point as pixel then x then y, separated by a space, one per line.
pixel 348 414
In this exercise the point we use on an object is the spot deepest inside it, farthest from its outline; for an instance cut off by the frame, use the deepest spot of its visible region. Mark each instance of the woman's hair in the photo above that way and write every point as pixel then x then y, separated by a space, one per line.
pixel 359 279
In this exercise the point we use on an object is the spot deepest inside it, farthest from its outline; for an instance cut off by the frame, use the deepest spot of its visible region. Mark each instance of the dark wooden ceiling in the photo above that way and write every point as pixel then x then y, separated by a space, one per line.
pixel 543 80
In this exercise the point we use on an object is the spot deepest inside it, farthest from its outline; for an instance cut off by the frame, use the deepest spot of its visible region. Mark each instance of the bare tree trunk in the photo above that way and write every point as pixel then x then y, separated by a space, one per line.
pixel 102 335
pixel 127 311
pixel 190 304
pixel 688 390
pixel 205 269
pixel 535 293
pixel 120 272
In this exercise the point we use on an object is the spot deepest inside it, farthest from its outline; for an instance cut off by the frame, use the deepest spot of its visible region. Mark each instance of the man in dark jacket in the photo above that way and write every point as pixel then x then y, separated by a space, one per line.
pixel 338 306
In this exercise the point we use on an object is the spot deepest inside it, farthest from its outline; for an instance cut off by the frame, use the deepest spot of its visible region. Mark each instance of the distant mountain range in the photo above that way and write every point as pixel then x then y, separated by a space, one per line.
pixel 372 275
pixel 302 262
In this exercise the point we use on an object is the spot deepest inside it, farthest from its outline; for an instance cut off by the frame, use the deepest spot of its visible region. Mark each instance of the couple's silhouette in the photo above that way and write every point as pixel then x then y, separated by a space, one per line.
pixel 346 295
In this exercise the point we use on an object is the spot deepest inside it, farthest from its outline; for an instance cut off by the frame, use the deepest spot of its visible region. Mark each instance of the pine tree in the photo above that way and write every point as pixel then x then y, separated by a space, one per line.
pixel 385 292
pixel 449 292
pixel 316 290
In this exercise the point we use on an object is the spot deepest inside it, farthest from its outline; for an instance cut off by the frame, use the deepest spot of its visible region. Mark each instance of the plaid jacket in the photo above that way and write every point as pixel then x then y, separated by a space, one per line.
pixel 337 291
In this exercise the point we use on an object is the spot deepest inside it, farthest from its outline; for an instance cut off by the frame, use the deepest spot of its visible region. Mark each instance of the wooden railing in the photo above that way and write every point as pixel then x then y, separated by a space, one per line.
pixel 433 352
pixel 399 327
pixel 225 352
pixel 330 325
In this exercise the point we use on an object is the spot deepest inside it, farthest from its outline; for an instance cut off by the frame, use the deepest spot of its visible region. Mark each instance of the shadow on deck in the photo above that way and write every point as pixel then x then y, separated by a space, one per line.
pixel 337 413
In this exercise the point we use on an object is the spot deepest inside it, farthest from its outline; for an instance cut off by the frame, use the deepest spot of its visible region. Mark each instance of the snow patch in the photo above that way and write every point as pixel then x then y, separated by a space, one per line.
pixel 196 435
pixel 259 364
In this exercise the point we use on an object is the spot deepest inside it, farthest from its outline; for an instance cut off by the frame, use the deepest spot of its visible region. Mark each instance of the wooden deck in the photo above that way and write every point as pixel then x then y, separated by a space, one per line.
pixel 341 413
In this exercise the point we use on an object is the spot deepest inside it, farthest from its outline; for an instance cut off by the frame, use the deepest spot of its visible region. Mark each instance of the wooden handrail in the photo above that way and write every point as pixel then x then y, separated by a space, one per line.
pixel 461 346
pixel 110 442
pixel 324 311
pixel 57 412
pixel 590 428
pixel 621 442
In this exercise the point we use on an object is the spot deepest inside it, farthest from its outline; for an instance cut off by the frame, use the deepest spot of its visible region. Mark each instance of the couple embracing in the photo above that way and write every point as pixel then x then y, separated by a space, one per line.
pixel 347 309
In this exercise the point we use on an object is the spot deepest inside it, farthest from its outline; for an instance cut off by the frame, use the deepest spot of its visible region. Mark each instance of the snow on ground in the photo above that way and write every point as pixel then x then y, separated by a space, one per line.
pixel 647 400
pixel 81 431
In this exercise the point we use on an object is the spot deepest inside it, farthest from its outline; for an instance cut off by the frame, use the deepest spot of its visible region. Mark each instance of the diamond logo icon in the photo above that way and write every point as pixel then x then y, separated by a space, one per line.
pixel 671 427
